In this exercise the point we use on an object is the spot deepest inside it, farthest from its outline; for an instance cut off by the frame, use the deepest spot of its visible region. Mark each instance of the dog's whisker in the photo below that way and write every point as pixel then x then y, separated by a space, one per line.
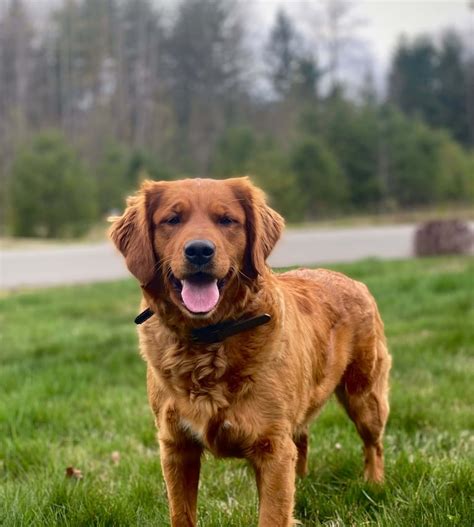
pixel 164 261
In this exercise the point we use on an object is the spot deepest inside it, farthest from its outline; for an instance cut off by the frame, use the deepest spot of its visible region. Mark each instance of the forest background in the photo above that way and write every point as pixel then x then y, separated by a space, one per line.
pixel 104 93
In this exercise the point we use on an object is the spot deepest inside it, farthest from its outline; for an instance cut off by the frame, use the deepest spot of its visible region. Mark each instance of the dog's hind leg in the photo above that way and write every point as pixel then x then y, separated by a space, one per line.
pixel 366 403
pixel 301 441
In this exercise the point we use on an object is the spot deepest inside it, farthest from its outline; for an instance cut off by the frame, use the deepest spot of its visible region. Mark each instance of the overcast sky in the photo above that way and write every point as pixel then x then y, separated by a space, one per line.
pixel 387 19
pixel 383 21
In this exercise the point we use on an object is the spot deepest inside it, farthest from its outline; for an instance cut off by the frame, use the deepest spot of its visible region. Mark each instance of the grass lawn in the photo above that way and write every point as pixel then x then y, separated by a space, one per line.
pixel 73 392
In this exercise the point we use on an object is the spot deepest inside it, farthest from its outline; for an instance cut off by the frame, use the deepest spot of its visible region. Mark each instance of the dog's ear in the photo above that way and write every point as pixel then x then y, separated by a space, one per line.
pixel 263 225
pixel 132 232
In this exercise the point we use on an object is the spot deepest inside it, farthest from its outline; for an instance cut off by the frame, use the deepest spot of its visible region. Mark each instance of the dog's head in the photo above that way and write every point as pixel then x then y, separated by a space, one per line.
pixel 194 238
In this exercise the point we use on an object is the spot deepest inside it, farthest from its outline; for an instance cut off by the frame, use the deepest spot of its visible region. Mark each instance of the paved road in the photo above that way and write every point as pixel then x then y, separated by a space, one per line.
pixel 68 264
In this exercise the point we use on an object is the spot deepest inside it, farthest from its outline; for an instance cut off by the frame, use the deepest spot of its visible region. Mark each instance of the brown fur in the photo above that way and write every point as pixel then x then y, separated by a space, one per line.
pixel 253 395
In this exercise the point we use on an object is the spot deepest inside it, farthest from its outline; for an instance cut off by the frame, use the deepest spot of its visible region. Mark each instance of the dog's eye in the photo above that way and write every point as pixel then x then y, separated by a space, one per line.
pixel 172 220
pixel 225 220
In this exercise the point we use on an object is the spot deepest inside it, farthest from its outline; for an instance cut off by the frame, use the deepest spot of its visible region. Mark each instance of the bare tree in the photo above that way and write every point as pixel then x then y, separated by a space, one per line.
pixel 333 32
pixel 16 60
pixel 205 62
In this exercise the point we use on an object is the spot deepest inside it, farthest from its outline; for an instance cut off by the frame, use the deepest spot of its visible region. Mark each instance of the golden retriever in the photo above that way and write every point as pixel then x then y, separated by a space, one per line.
pixel 240 359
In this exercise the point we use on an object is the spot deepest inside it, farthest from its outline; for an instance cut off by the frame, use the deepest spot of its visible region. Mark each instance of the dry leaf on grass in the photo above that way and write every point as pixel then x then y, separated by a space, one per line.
pixel 74 473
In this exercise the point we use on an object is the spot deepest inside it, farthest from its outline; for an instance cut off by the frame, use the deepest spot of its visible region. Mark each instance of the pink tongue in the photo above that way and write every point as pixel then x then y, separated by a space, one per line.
pixel 199 297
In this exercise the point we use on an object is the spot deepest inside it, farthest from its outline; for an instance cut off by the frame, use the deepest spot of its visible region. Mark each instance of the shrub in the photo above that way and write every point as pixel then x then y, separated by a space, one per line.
pixel 319 177
pixel 50 194
pixel 113 179
pixel 455 172
pixel 234 152
pixel 425 165
pixel 142 162
pixel 352 134
pixel 270 170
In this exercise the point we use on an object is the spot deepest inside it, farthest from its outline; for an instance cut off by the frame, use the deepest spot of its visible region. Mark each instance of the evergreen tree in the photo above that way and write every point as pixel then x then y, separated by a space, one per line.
pixel 413 78
pixel 234 152
pixel 50 193
pixel 112 178
pixel 434 83
pixel 270 169
pixel 413 160
pixel 319 177
pixel 282 55
pixel 452 88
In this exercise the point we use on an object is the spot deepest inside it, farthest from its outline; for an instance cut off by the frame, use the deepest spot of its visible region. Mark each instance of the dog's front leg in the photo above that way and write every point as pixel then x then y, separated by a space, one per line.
pixel 181 463
pixel 274 461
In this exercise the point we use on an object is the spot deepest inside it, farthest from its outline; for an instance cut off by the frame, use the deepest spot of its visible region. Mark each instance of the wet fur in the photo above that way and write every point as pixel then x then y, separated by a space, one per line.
pixel 254 395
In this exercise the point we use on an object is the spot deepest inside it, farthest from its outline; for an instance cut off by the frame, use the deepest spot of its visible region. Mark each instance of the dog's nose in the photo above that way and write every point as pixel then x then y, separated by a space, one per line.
pixel 199 252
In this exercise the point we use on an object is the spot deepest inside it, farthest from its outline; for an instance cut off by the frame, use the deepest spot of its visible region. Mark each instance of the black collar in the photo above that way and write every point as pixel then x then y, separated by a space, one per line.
pixel 216 332
pixel 143 316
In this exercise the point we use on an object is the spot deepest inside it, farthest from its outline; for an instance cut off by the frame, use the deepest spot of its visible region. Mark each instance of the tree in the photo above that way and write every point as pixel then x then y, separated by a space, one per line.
pixel 174 86
pixel 16 54
pixel 424 166
pixel 307 78
pixel 452 88
pixel 434 83
pixel 469 68
pixel 412 80
pixel 270 169
pixel 142 163
pixel 334 39
pixel 319 176
pixel 16 97
pixel 50 194
pixel 352 134
pixel 339 28
pixel 205 58
pixel 113 183
pixel 140 70
pixel 282 54
pixel 234 152
pixel 412 160
pixel 455 172
pixel 119 173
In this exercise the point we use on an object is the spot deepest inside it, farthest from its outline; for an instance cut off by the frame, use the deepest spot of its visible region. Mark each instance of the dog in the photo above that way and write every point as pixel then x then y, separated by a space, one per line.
pixel 240 359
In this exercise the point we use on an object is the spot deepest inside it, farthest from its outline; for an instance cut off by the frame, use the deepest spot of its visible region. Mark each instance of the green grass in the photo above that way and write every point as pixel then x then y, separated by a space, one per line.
pixel 73 391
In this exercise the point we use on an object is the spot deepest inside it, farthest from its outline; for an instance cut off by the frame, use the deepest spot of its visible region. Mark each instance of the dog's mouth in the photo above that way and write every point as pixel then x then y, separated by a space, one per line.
pixel 200 292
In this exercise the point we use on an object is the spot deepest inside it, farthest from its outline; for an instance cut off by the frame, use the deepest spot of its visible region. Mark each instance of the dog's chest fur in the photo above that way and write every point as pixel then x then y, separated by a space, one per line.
pixel 207 383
